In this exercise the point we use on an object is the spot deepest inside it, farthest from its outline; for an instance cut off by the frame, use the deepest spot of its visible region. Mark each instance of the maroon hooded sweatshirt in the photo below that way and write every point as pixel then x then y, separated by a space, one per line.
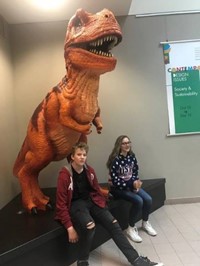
pixel 65 190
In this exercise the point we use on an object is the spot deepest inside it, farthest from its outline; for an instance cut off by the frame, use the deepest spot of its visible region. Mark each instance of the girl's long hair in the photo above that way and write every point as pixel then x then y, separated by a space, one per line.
pixel 116 150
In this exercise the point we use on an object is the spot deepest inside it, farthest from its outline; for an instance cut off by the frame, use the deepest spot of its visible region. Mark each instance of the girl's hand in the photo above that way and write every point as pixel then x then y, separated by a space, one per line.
pixel 137 184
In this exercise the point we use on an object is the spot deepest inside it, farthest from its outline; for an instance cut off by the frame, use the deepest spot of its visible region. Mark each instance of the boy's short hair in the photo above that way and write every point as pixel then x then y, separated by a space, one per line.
pixel 80 145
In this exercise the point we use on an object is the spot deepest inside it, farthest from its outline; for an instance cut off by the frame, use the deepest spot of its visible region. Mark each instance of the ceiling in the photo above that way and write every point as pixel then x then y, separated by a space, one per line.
pixel 26 11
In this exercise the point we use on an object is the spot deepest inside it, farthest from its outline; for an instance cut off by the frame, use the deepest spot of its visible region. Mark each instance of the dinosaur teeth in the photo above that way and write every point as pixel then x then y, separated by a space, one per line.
pixel 94 51
pixel 112 39
pixel 102 46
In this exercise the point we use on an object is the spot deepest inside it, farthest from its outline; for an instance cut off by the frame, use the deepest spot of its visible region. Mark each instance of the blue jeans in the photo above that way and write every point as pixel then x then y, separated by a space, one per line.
pixel 84 212
pixel 141 203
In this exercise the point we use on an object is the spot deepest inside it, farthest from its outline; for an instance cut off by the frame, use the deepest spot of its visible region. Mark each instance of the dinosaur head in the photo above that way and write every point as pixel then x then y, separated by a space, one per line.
pixel 90 39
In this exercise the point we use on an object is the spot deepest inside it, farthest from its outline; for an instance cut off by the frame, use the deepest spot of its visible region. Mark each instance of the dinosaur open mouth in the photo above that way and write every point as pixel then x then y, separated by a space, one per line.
pixel 101 46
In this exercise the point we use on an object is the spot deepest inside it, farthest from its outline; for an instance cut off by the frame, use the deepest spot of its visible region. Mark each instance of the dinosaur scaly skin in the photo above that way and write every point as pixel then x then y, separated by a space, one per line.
pixel 68 111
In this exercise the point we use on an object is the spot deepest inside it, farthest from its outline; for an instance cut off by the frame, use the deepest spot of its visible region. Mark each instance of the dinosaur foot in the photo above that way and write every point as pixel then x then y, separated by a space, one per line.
pixel 36 202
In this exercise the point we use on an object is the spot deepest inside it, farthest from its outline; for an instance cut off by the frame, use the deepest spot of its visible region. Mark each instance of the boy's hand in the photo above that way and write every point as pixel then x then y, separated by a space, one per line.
pixel 72 234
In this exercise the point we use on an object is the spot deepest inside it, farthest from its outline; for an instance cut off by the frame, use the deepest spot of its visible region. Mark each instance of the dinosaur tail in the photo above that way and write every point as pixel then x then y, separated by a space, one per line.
pixel 20 158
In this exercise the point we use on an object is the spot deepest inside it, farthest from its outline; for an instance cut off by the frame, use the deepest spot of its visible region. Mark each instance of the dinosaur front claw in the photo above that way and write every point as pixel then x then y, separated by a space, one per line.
pixel 99 129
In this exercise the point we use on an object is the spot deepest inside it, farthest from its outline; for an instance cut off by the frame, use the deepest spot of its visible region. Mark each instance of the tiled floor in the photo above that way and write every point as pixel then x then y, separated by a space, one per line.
pixel 177 242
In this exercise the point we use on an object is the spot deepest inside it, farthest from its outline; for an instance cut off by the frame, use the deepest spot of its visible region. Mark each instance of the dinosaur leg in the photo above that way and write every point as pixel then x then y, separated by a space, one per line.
pixel 32 196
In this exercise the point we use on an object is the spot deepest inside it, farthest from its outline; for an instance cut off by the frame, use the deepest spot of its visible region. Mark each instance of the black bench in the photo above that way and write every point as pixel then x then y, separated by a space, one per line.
pixel 39 240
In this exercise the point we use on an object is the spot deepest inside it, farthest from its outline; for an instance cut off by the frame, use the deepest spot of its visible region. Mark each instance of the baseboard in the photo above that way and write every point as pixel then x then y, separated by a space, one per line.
pixel 182 200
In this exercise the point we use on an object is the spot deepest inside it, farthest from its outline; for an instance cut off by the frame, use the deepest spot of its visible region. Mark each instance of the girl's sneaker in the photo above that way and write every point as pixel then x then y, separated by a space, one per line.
pixel 132 233
pixel 148 228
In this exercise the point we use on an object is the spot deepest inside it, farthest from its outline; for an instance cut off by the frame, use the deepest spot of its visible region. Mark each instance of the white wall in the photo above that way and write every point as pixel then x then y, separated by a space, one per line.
pixel 8 125
pixel 38 55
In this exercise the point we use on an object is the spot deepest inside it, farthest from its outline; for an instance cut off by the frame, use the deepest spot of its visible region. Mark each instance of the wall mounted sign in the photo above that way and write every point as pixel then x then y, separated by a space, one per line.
pixel 182 70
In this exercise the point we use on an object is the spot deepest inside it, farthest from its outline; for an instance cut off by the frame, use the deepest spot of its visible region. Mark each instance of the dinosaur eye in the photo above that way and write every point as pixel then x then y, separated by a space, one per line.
pixel 77 22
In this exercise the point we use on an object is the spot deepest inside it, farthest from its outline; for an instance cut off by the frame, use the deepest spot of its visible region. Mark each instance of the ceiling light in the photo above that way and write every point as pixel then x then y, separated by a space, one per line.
pixel 48 4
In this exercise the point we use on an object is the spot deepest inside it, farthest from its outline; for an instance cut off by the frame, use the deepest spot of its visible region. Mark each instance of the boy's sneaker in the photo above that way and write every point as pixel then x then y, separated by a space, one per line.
pixel 132 233
pixel 82 263
pixel 144 261
pixel 148 228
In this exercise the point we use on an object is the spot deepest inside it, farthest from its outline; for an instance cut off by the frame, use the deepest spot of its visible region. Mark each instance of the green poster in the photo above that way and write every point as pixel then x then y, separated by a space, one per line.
pixel 186 100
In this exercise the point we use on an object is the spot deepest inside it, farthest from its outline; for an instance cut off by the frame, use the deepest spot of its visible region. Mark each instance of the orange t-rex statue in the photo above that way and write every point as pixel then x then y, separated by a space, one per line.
pixel 68 111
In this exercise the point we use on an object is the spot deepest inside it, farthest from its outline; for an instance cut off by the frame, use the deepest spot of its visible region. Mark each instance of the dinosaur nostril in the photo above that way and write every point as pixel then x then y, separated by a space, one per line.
pixel 106 16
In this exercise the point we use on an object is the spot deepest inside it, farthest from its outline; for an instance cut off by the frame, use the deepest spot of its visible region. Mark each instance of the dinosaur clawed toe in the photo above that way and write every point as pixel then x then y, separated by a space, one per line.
pixel 34 210
pixel 49 206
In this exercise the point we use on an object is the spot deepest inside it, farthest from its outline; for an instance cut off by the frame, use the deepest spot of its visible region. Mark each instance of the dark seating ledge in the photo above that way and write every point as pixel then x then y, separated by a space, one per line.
pixel 24 236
